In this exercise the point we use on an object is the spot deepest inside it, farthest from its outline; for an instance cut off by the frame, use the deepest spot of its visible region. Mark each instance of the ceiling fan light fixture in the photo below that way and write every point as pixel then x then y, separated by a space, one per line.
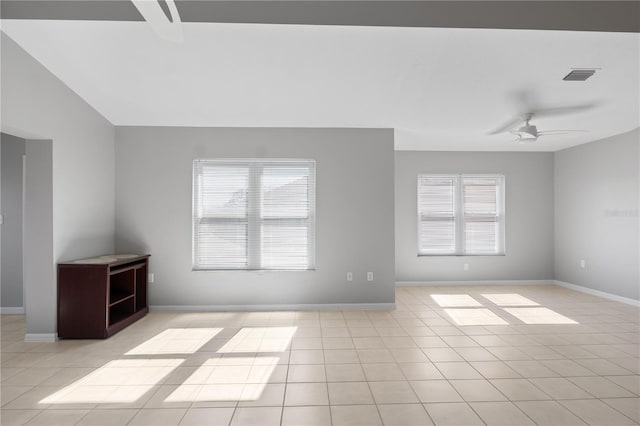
pixel 526 138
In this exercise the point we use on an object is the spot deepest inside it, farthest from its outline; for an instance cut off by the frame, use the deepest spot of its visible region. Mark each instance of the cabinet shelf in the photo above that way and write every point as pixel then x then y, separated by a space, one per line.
pixel 119 298
pixel 100 296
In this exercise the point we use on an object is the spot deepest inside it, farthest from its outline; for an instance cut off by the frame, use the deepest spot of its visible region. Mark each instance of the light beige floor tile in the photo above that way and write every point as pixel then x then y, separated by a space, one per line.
pixel 420 371
pixel 368 343
pixel 477 390
pixel 306 343
pixel 30 399
pixel 630 407
pixel 207 417
pixel 113 417
pixel 597 413
pixel 256 416
pixel 173 396
pixel 600 387
pixel 30 376
pixel 519 390
pixel 306 394
pixel 158 417
pixel 599 356
pixel 344 373
pixel 530 369
pixel 603 367
pixel 372 356
pixel 306 373
pixel 337 343
pixel 475 354
pixel 404 415
pixel 495 370
pixel 307 357
pixel 262 395
pixel 501 414
pixel 9 393
pixel 57 417
pixel 341 356
pixel 430 342
pixel 409 355
pixel 630 383
pixel 349 393
pixel 382 372
pixel 306 416
pixel 442 355
pixel 459 341
pixel 560 388
pixel 347 415
pixel 399 342
pixel 457 370
pixel 335 332
pixel 17 417
pixel 567 368
pixel 393 392
pixel 453 414
pixel 435 391
pixel 363 332
pixel 549 413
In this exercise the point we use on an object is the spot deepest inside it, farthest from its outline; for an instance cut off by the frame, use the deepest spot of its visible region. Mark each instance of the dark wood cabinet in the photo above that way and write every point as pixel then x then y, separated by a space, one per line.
pixel 100 296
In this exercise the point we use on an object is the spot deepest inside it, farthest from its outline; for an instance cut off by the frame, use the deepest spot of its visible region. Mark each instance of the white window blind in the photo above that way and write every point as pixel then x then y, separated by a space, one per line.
pixel 254 214
pixel 460 214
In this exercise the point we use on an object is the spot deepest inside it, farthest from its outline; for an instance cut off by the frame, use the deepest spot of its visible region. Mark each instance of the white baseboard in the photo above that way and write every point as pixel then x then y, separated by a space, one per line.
pixel 471 283
pixel 296 307
pixel 598 293
pixel 11 310
pixel 41 337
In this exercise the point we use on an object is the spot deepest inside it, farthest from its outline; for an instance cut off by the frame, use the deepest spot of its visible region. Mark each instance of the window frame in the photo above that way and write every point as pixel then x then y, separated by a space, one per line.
pixel 253 218
pixel 459 217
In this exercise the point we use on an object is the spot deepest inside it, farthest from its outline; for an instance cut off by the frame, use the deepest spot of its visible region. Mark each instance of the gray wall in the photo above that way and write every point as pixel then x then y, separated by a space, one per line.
pixel 529 217
pixel 38 236
pixel 13 149
pixel 596 215
pixel 36 105
pixel 354 199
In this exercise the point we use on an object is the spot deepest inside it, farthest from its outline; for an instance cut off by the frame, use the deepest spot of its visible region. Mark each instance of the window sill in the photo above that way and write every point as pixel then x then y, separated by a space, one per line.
pixel 462 255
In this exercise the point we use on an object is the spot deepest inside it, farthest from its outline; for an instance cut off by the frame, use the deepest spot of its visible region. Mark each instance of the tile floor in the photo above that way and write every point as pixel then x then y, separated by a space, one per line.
pixel 520 355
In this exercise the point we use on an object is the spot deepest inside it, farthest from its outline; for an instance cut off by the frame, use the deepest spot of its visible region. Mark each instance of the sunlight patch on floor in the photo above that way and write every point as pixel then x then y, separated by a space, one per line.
pixel 259 339
pixel 510 299
pixel 455 300
pixel 475 316
pixel 119 381
pixel 212 382
pixel 176 341
pixel 539 316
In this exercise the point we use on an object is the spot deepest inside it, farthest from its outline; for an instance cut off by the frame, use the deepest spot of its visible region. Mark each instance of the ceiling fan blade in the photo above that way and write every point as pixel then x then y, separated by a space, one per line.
pixel 560 132
pixel 570 109
pixel 507 126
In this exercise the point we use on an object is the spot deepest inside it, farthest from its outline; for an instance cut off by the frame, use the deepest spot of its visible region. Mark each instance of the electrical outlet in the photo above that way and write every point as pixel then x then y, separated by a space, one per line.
pixel 349 276
pixel 369 276
pixel 466 267
pixel 583 263
pixel 151 277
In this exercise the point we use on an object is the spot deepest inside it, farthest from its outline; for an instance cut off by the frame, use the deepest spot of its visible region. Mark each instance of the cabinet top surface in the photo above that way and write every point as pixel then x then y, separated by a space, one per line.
pixel 108 259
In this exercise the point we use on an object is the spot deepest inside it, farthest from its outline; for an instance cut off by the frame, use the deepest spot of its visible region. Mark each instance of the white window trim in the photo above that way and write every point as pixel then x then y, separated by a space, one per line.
pixel 254 226
pixel 459 217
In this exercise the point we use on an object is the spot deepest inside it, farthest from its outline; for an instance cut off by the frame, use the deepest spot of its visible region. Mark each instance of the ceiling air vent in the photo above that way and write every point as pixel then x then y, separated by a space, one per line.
pixel 579 75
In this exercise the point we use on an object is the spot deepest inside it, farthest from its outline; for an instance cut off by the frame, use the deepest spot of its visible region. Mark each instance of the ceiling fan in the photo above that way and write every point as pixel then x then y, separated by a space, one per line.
pixel 529 133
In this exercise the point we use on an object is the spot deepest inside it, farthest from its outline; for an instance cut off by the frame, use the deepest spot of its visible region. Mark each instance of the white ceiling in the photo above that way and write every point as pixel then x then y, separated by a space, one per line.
pixel 439 88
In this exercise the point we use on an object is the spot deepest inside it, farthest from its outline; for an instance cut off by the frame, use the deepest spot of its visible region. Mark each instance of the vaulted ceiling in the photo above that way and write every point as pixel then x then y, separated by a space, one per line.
pixel 440 88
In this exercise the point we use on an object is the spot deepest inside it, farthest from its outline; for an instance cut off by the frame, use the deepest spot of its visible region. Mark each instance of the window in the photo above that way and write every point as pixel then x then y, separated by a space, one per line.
pixel 460 215
pixel 254 214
